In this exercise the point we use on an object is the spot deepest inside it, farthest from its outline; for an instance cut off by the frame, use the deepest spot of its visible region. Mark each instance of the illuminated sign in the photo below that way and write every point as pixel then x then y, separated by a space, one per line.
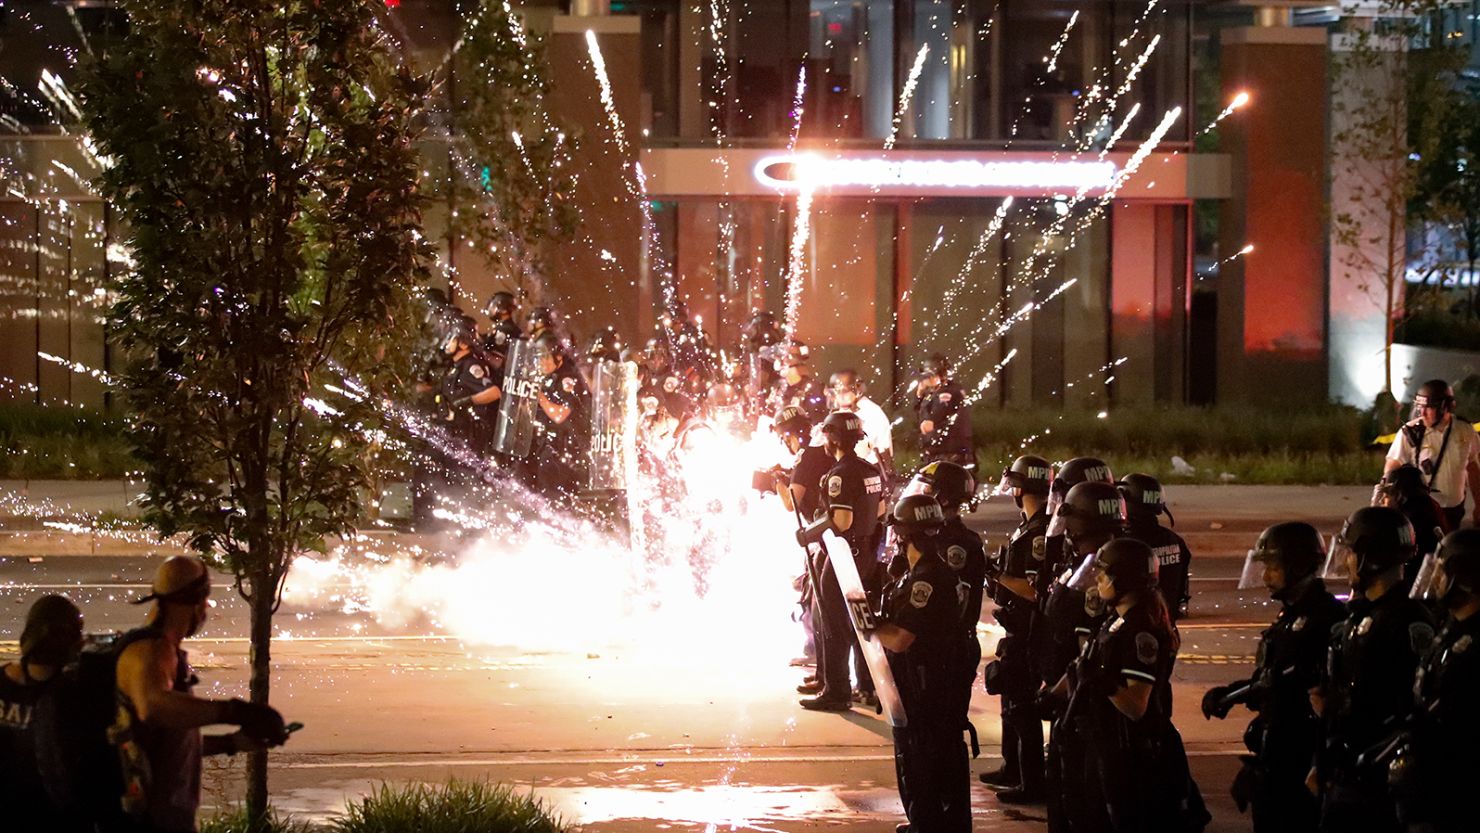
pixel 802 171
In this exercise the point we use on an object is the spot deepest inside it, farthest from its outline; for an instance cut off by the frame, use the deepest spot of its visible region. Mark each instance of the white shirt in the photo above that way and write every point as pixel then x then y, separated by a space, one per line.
pixel 1464 448
pixel 876 430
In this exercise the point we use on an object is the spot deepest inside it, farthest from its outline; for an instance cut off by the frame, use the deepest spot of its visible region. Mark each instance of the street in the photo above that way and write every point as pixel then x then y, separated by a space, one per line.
pixel 646 736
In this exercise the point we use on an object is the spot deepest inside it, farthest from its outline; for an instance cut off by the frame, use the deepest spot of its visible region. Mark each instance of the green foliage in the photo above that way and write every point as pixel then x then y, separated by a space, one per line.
pixel 456 807
pixel 62 443
pixel 1448 326
pixel 261 157
pixel 238 821
pixel 512 180
pixel 1326 444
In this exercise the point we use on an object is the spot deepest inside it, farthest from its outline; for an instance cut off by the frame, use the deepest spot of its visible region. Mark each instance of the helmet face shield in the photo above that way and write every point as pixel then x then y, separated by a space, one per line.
pixel 1335 567
pixel 916 486
pixel 1426 585
pixel 1057 523
pixel 1252 576
pixel 1084 576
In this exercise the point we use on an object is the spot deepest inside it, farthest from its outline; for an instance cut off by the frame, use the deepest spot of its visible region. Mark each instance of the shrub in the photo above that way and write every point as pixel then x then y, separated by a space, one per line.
pixel 42 442
pixel 454 807
pixel 236 821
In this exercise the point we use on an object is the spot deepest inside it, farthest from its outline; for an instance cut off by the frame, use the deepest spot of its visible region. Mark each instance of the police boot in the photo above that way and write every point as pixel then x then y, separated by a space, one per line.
pixel 1018 795
pixel 998 779
pixel 812 686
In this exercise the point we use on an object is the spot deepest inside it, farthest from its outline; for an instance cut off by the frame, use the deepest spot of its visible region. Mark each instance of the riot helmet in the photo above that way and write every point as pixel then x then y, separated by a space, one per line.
pixel 1092 511
pixel 936 365
pixel 1379 539
pixel 949 483
pixel 1128 563
pixel 793 422
pixel 1144 498
pixel 1437 395
pixel 539 320
pixel 1295 546
pixel 606 345
pixel 842 429
pixel 547 348
pixel 1073 472
pixel 915 519
pixel 1404 484
pixel 1451 575
pixel 1028 474
pixel 461 332
pixel 500 305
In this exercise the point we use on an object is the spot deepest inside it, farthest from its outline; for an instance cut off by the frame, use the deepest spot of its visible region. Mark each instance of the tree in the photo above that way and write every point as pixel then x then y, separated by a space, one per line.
pixel 1390 86
pixel 510 180
pixel 260 155
pixel 1449 184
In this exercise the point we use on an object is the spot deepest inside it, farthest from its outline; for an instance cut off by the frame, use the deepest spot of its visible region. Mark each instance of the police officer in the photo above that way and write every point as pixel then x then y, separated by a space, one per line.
pixel 564 421
pixel 466 392
pixel 845 392
pixel 1285 734
pixel 852 491
pixel 686 341
pixel 1012 676
pixel 1145 502
pixel 1369 675
pixel 796 485
pixel 1120 692
pixel 538 322
pixel 1407 490
pixel 797 384
pixel 1442 763
pixel 1093 513
pixel 50 639
pixel 921 631
pixel 504 329
pixel 605 346
pixel 961 549
pixel 1444 447
pixel 1057 642
pixel 945 421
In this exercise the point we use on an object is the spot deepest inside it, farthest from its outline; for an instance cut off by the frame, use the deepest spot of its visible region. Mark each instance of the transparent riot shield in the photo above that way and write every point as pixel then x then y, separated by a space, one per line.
pixel 613 424
pixel 514 433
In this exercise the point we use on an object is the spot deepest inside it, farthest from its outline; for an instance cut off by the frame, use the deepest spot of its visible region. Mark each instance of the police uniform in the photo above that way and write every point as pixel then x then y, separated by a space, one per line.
pixel 930 757
pixel 1369 677
pixel 1446 742
pixel 811 469
pixel 857 486
pixel 496 347
pixel 961 549
pixel 945 406
pixel 565 447
pixel 1024 557
pixel 1137 777
pixel 1172 560
pixel 23 796
pixel 470 423
pixel 1285 735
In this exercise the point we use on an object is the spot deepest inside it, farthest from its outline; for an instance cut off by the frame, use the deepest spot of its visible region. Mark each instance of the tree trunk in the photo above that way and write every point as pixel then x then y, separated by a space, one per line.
pixel 261 662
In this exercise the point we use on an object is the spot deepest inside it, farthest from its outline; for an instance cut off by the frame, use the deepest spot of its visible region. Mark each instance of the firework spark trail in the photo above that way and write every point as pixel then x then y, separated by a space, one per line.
pixel 989 377
pixel 1135 71
pixel 978 249
pixel 797 108
pixel 79 367
pixel 1058 47
pixel 797 262
pixel 1120 131
pixel 908 92
pixel 1238 101
pixel 613 118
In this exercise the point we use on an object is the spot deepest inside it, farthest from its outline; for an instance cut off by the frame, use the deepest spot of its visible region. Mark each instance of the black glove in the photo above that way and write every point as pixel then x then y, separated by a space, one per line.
pixel 1216 703
pixel 259 721
pixel 1047 704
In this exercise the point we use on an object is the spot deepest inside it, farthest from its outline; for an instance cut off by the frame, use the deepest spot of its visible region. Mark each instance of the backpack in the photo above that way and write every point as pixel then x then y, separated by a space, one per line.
pixel 86 747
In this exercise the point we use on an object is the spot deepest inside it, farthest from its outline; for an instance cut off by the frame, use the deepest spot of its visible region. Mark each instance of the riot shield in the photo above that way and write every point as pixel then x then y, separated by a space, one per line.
pixel 514 433
pixel 613 424
pixel 862 616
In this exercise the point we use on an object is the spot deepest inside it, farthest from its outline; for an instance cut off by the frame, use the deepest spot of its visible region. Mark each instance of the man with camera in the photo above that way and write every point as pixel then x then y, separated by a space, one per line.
pixel 1444 447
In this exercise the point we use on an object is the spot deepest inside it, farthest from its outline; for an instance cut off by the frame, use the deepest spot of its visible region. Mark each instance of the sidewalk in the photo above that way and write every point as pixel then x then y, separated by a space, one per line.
pixel 55 517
